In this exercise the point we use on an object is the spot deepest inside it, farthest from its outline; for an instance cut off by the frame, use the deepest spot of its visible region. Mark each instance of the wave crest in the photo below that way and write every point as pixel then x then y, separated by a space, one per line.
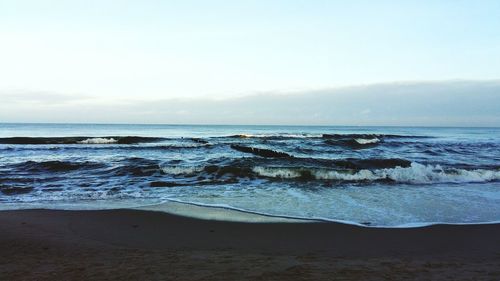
pixel 367 141
pixel 98 141
pixel 415 174
pixel 181 170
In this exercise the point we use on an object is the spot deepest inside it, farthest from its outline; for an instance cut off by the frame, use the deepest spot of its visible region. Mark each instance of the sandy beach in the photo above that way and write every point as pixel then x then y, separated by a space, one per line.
pixel 252 140
pixel 146 245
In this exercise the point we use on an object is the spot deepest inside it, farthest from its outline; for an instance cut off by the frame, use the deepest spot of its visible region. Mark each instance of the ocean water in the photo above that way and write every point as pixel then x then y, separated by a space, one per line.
pixel 374 176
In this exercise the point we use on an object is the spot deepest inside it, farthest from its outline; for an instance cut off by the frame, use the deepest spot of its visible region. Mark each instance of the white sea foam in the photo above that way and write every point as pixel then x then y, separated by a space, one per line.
pixel 244 136
pixel 181 170
pixel 367 141
pixel 272 172
pixel 98 141
pixel 415 174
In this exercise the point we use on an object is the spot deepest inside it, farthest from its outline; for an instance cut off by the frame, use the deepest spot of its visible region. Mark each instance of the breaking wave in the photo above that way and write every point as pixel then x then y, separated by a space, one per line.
pixel 181 170
pixel 261 151
pixel 415 174
pixel 303 169
pixel 380 176
pixel 98 141
pixel 367 141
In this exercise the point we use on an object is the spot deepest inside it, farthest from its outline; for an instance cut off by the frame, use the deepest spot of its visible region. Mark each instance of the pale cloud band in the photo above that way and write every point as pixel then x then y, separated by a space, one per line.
pixel 448 103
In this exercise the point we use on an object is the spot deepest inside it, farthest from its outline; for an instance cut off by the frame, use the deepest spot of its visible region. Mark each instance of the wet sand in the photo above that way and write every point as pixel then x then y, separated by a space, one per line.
pixel 146 245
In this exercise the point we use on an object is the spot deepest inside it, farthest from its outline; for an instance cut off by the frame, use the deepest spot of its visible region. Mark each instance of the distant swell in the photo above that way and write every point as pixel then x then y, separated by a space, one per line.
pixel 367 136
pixel 80 140
pixel 285 136
pixel 360 141
pixel 14 190
pixel 113 146
pixel 275 136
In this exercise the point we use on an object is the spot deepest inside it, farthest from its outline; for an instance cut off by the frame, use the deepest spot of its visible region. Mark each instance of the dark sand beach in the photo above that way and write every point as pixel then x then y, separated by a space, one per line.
pixel 145 245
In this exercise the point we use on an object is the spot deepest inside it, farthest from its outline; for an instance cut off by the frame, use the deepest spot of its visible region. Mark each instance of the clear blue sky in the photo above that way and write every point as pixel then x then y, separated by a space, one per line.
pixel 151 50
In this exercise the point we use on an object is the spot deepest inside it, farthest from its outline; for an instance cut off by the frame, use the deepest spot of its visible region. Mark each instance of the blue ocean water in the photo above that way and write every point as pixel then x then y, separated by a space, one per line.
pixel 377 176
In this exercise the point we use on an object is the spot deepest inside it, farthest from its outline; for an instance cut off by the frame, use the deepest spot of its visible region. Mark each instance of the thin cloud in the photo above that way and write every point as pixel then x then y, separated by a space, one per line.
pixel 449 103
pixel 39 97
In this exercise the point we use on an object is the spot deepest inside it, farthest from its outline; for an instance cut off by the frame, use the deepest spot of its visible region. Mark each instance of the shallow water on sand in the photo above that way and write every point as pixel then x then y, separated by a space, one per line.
pixel 377 176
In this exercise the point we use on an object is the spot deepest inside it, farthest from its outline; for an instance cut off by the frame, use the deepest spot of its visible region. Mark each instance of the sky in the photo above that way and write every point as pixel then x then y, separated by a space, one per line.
pixel 116 61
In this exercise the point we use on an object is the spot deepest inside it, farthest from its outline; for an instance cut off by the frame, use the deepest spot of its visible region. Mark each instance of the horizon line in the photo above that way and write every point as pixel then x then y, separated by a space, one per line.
pixel 252 125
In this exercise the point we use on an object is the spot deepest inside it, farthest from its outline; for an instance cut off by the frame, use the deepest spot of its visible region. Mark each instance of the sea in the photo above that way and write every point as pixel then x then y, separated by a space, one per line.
pixel 368 176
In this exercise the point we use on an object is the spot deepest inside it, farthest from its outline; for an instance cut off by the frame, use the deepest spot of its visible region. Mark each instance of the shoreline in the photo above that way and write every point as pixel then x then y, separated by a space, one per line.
pixel 118 244
pixel 232 214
